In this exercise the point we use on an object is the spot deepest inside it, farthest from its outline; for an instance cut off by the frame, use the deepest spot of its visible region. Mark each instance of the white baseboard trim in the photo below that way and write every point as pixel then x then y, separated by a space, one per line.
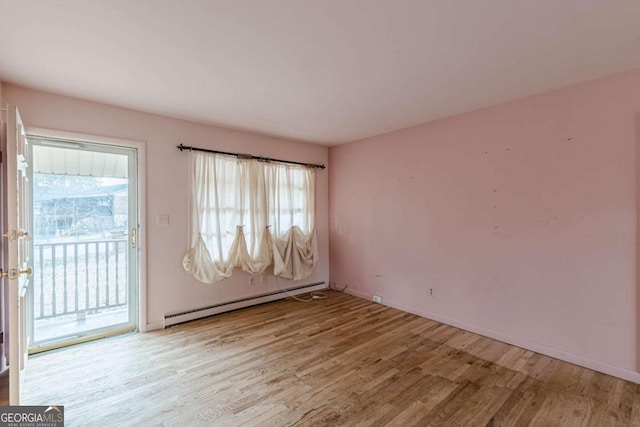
pixel 625 374
pixel 154 326
pixel 186 316
pixel 357 293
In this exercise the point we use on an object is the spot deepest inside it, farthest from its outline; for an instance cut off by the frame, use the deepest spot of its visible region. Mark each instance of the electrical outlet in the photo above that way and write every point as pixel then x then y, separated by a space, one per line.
pixel 252 281
pixel 377 298
pixel 431 291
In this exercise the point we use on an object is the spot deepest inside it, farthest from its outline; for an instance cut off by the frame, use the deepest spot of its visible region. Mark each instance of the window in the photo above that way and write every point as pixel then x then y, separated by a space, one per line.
pixel 251 215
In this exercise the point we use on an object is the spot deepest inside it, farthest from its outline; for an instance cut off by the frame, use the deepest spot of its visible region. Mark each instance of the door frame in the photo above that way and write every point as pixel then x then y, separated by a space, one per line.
pixel 141 245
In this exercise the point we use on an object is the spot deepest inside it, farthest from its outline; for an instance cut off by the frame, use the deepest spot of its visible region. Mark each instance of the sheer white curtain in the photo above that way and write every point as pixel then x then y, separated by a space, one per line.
pixel 251 215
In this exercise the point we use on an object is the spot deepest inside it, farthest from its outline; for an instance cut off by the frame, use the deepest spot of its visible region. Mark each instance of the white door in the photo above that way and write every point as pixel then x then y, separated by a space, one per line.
pixel 17 256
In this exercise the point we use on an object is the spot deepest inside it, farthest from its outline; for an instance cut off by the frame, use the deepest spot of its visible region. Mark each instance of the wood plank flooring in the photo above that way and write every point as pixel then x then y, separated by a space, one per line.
pixel 4 388
pixel 333 362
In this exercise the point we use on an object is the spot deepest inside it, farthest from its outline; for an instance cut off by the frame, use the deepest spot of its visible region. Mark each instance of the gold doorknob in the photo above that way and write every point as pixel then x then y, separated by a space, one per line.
pixel 14 273
pixel 17 234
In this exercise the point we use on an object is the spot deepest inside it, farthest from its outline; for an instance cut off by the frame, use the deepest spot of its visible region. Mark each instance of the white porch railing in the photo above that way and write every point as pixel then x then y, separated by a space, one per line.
pixel 79 278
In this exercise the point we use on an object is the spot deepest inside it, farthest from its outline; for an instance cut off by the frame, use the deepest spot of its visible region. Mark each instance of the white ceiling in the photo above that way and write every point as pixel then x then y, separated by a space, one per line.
pixel 325 71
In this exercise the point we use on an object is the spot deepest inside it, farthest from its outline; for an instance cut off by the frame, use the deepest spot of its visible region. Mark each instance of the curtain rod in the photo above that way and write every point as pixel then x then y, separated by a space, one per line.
pixel 249 156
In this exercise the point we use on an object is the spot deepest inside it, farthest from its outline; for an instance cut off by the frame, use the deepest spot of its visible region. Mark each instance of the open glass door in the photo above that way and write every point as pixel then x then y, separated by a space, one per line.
pixel 18 250
pixel 85 229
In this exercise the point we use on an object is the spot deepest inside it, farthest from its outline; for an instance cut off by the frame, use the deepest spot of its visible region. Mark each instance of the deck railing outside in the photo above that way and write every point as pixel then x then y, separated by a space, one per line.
pixel 76 279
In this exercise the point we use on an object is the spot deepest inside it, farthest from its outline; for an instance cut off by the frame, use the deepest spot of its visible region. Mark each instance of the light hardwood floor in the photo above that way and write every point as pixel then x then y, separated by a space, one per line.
pixel 4 389
pixel 339 361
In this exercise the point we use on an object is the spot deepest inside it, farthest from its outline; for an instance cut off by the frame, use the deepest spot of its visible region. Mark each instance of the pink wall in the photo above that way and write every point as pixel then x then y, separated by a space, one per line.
pixel 638 242
pixel 4 294
pixel 521 218
pixel 170 289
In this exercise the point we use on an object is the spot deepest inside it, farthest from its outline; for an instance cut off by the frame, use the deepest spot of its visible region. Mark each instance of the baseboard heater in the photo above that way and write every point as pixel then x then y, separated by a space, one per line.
pixel 198 313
